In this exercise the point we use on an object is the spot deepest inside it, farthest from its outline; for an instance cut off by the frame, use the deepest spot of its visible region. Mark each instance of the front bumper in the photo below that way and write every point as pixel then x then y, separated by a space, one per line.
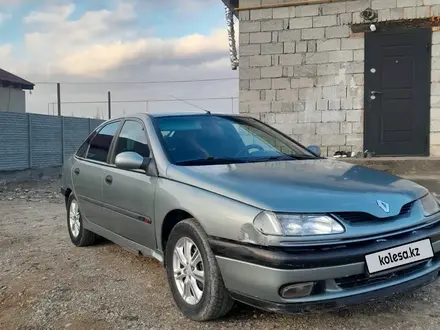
pixel 255 275
pixel 335 303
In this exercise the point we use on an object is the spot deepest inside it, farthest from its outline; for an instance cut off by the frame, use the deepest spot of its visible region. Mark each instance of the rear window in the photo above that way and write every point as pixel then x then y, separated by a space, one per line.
pixel 100 144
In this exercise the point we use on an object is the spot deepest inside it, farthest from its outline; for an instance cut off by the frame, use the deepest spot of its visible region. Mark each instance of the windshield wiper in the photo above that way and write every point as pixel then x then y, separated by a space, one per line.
pixel 210 160
pixel 300 157
pixel 287 157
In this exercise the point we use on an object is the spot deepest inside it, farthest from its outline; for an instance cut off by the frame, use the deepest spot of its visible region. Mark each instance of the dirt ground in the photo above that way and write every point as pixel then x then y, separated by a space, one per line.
pixel 47 283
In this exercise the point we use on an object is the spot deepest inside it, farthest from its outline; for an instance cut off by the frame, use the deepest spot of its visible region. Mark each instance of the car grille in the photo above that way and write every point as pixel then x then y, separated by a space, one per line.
pixel 356 217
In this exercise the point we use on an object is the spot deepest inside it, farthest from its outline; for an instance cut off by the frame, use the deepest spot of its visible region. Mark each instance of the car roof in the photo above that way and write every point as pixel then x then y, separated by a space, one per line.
pixel 143 115
pixel 173 114
pixel 186 113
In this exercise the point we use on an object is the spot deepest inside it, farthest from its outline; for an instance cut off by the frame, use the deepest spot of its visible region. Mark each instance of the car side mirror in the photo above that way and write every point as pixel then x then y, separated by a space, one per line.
pixel 132 161
pixel 315 150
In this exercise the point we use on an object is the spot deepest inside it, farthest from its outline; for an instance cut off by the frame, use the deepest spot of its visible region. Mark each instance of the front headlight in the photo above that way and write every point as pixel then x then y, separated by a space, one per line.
pixel 269 223
pixel 430 205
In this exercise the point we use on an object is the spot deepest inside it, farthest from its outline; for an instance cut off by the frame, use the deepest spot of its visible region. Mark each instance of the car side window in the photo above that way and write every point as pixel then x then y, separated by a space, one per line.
pixel 83 149
pixel 132 138
pixel 100 144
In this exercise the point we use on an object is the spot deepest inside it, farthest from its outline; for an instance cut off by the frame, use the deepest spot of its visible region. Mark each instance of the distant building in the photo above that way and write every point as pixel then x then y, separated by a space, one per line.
pixel 12 95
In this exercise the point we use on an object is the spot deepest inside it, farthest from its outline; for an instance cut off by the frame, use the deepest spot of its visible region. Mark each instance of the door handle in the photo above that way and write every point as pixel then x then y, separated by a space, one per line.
pixel 375 93
pixel 76 171
pixel 109 179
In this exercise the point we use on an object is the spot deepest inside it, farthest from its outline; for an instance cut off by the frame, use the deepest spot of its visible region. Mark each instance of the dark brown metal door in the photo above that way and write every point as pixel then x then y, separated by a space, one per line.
pixel 397 92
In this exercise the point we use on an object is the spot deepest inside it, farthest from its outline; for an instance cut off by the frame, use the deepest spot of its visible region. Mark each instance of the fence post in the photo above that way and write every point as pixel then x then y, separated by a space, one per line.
pixel 109 105
pixel 62 140
pixel 90 125
pixel 30 140
pixel 59 98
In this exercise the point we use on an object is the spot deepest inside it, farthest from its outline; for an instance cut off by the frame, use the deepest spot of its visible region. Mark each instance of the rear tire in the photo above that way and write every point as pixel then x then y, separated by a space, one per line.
pixel 214 301
pixel 78 234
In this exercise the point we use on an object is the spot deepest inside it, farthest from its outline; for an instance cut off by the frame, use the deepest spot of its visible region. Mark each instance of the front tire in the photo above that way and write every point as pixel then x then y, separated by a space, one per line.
pixel 193 274
pixel 78 234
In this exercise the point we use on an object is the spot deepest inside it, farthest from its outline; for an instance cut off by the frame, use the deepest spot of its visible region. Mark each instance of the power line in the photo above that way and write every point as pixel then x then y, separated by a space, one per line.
pixel 134 82
pixel 151 100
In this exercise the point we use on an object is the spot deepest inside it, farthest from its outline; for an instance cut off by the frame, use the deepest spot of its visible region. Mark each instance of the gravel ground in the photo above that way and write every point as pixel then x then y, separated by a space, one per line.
pixel 47 283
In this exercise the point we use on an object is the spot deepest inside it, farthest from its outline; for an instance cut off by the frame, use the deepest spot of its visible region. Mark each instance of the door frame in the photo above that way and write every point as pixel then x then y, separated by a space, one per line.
pixel 397 28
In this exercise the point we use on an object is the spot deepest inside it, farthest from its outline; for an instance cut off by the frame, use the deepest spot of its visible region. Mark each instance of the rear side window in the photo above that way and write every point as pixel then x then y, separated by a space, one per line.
pixel 132 138
pixel 100 144
pixel 83 149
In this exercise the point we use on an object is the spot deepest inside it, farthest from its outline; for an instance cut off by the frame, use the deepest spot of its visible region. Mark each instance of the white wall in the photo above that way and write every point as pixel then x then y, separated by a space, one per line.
pixel 12 100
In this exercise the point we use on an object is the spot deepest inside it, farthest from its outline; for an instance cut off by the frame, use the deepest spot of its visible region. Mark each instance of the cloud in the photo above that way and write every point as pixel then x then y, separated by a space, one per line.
pixel 102 40
pixel 5 51
pixel 6 62
pixel 97 59
pixel 54 15
pixel 54 21
pixel 4 17
pixel 53 37
pixel 192 6
pixel 108 45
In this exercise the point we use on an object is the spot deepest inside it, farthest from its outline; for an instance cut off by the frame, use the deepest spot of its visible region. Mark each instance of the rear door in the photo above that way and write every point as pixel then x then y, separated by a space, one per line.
pixel 88 172
pixel 129 194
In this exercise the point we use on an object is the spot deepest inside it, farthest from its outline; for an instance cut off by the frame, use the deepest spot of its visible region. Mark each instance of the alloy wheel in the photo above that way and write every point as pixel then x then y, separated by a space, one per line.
pixel 74 216
pixel 189 274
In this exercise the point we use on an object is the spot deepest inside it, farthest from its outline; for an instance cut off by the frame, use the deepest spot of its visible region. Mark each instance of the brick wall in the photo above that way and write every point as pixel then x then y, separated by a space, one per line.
pixel 302 68
pixel 40 141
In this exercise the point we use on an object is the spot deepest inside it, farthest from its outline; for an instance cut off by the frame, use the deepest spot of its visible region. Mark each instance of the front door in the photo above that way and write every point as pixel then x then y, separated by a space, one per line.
pixel 129 194
pixel 397 92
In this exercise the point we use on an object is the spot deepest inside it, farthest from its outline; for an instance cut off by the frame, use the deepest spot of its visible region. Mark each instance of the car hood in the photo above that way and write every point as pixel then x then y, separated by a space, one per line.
pixel 320 185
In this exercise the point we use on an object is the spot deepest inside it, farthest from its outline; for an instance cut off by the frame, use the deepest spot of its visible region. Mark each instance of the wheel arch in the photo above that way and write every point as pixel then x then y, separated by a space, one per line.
pixel 217 215
pixel 67 194
pixel 172 218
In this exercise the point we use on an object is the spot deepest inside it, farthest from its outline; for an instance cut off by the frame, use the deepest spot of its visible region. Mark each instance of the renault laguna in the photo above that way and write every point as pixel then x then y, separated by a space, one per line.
pixel 238 211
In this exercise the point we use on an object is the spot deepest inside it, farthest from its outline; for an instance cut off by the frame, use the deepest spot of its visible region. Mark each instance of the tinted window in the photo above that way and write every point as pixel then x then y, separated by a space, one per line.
pixel 132 138
pixel 226 138
pixel 83 149
pixel 100 145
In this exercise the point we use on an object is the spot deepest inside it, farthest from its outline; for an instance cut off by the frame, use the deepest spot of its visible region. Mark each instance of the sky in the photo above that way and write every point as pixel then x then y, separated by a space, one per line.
pixel 88 45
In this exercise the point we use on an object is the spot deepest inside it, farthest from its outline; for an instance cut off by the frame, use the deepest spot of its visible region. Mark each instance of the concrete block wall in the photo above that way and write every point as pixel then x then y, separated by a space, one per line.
pixel 31 141
pixel 46 144
pixel 302 68
pixel 14 137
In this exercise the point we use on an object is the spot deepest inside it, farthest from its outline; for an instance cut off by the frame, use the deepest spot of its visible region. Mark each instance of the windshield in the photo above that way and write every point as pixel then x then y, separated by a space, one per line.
pixel 210 139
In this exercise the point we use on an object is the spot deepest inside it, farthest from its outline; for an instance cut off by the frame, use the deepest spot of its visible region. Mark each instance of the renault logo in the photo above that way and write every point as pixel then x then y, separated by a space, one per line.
pixel 384 206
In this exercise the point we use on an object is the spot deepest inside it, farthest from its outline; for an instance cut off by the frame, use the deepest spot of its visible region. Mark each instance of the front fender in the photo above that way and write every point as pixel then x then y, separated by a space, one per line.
pixel 219 216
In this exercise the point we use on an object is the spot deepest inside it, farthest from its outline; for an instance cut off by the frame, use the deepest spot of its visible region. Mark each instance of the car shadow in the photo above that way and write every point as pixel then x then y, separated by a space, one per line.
pixel 101 241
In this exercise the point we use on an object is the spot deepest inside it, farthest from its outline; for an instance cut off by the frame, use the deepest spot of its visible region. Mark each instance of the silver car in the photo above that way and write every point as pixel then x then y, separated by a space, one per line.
pixel 238 211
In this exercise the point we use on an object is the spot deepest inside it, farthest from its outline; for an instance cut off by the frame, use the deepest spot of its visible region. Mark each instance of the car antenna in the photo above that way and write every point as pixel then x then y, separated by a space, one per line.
pixel 207 111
